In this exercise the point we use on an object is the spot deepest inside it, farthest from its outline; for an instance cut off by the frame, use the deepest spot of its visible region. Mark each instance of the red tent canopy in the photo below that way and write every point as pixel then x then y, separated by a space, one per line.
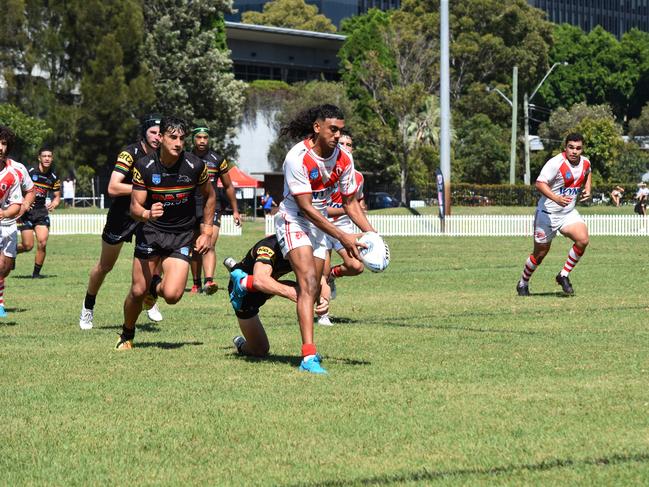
pixel 241 180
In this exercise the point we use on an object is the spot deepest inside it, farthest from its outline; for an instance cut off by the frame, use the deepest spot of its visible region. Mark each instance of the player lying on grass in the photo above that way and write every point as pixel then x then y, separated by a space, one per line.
pixel 254 281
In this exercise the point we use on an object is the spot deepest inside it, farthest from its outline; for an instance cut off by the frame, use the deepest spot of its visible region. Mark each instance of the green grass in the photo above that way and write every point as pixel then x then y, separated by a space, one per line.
pixel 438 373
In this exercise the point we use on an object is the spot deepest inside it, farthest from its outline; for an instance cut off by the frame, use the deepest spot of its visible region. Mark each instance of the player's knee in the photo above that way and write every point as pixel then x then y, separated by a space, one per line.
pixel 173 297
pixel 583 242
pixel 42 245
pixel 26 247
pixel 357 267
pixel 138 290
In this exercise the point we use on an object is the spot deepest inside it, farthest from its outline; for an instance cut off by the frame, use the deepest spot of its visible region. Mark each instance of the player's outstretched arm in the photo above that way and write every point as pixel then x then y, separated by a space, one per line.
pixel 264 282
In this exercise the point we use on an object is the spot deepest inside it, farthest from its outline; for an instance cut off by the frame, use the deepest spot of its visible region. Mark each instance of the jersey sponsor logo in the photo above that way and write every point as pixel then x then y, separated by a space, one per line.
pixel 156 178
pixel 125 157
pixel 265 251
pixel 314 173
pixel 183 178
pixel 569 191
pixel 184 251
pixel 35 177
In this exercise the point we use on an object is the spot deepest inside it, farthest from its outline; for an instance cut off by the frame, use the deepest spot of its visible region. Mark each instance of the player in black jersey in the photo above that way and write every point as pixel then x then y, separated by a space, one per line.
pixel 37 219
pixel 164 185
pixel 120 227
pixel 254 281
pixel 217 168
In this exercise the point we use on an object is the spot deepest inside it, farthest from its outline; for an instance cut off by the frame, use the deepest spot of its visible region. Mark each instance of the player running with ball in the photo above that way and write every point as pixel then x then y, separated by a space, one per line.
pixel 560 184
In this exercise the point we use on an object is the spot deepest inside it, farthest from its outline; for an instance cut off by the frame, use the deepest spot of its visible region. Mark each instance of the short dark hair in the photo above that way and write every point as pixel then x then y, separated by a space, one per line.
pixel 7 135
pixel 345 132
pixel 173 123
pixel 574 137
pixel 45 148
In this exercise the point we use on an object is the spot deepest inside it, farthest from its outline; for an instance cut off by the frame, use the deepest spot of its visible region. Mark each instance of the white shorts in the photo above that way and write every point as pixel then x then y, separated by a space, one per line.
pixel 547 224
pixel 296 231
pixel 9 240
pixel 346 226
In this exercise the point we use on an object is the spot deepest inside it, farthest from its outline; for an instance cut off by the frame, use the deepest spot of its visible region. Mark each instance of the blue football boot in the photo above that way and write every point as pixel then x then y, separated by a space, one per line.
pixel 238 293
pixel 312 365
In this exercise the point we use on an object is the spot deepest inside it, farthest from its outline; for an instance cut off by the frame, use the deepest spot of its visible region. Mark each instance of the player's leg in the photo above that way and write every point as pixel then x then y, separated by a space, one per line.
pixel 141 275
pixel 578 233
pixel 42 234
pixel 5 269
pixel 8 250
pixel 196 264
pixel 544 233
pixel 174 276
pixel 107 259
pixel 349 267
pixel 254 341
pixel 209 260
pixel 326 293
pixel 26 240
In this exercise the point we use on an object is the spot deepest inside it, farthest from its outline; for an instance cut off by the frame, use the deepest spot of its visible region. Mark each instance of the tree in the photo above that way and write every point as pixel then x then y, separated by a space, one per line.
pixel 481 152
pixel 30 132
pixel 192 76
pixel 640 126
pixel 292 14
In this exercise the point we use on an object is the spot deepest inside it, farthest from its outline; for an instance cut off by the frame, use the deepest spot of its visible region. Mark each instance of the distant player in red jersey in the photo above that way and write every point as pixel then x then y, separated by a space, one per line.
pixel 11 200
pixel 312 169
pixel 560 184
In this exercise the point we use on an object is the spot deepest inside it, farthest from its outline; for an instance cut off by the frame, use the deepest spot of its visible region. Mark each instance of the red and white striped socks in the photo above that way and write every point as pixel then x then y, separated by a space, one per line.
pixel 530 266
pixel 2 291
pixel 573 257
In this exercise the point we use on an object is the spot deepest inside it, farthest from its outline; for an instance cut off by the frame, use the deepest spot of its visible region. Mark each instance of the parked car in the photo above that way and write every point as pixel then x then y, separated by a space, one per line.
pixel 377 201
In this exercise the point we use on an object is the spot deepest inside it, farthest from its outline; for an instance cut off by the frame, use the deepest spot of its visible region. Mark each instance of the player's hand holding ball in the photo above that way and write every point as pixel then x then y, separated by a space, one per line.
pixel 376 254
pixel 157 210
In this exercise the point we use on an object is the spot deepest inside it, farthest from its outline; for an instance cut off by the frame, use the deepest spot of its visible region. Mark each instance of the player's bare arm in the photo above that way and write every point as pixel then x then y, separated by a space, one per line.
pixel 586 193
pixel 55 201
pixel 204 240
pixel 265 283
pixel 353 208
pixel 139 212
pixel 304 202
pixel 28 201
pixel 545 190
pixel 117 186
pixel 11 211
pixel 232 197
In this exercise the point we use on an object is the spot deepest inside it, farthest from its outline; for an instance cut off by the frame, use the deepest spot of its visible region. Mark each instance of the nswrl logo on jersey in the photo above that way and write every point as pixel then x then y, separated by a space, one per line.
pixel 155 179
pixel 313 174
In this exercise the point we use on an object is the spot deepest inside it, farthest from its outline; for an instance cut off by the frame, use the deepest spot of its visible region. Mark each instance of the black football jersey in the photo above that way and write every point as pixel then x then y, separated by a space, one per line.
pixel 126 160
pixel 268 251
pixel 44 183
pixel 175 187
pixel 216 166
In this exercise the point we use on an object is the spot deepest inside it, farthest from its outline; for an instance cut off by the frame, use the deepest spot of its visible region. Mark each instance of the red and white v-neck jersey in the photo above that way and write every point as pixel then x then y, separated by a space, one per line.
pixel 10 192
pixel 307 173
pixel 25 184
pixel 564 179
pixel 336 200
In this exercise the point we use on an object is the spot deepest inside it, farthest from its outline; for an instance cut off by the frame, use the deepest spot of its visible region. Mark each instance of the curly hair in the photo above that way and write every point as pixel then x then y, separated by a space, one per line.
pixel 302 124
pixel 7 135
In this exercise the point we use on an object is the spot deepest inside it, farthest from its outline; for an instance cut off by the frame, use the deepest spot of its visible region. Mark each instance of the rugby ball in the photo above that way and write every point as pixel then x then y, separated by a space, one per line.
pixel 376 256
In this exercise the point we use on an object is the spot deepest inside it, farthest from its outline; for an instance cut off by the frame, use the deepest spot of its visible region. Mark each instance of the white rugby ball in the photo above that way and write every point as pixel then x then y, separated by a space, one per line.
pixel 376 256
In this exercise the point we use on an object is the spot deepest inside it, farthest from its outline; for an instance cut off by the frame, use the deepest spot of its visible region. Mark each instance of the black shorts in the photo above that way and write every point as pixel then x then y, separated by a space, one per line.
pixel 119 228
pixel 251 303
pixel 151 242
pixel 34 218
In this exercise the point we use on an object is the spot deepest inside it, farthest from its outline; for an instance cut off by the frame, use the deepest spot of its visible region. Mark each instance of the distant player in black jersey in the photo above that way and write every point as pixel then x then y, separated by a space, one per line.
pixel 254 281
pixel 217 168
pixel 37 219
pixel 164 187
pixel 120 227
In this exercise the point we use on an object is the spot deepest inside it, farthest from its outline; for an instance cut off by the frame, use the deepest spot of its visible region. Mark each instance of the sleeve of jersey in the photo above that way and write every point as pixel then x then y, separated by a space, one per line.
pixel 348 184
pixel 549 172
pixel 138 180
pixel 15 194
pixel 26 182
pixel 57 185
pixel 296 176
pixel 225 166
pixel 265 255
pixel 124 163
pixel 204 175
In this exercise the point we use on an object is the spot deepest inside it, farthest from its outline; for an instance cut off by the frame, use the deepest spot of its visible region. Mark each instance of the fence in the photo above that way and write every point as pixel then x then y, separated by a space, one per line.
pixel 492 225
pixel 94 225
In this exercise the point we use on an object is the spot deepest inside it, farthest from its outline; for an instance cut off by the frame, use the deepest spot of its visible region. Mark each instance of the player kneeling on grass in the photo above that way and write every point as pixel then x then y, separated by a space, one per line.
pixel 254 281
pixel 163 197
pixel 560 183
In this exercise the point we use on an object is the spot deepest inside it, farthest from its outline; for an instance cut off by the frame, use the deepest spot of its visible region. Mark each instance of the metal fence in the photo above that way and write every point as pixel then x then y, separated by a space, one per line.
pixel 94 225
pixel 492 225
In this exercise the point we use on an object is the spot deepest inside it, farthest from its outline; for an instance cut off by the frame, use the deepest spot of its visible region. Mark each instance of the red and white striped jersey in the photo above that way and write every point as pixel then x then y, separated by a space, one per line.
pixel 305 172
pixel 26 183
pixel 564 179
pixel 10 192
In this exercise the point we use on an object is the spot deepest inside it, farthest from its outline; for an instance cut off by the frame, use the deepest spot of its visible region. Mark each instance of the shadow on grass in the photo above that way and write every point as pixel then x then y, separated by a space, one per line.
pixel 295 360
pixel 29 276
pixel 342 320
pixel 147 328
pixel 166 345
pixel 7 323
pixel 16 310
pixel 394 323
pixel 550 294
pixel 425 475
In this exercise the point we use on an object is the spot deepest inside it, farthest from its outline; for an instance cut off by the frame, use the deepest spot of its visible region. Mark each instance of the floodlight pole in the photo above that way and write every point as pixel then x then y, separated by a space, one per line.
pixel 445 109
pixel 526 111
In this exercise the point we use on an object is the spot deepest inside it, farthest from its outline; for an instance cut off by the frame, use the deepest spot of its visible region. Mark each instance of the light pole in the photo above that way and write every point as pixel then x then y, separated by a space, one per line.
pixel 526 114
pixel 514 104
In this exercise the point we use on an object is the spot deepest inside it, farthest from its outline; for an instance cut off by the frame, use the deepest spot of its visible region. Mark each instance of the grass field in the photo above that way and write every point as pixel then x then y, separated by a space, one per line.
pixel 438 373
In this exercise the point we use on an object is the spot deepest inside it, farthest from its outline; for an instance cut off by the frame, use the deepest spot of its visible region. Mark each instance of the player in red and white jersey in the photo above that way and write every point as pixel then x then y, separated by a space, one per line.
pixel 11 199
pixel 311 170
pixel 564 180
pixel 337 215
